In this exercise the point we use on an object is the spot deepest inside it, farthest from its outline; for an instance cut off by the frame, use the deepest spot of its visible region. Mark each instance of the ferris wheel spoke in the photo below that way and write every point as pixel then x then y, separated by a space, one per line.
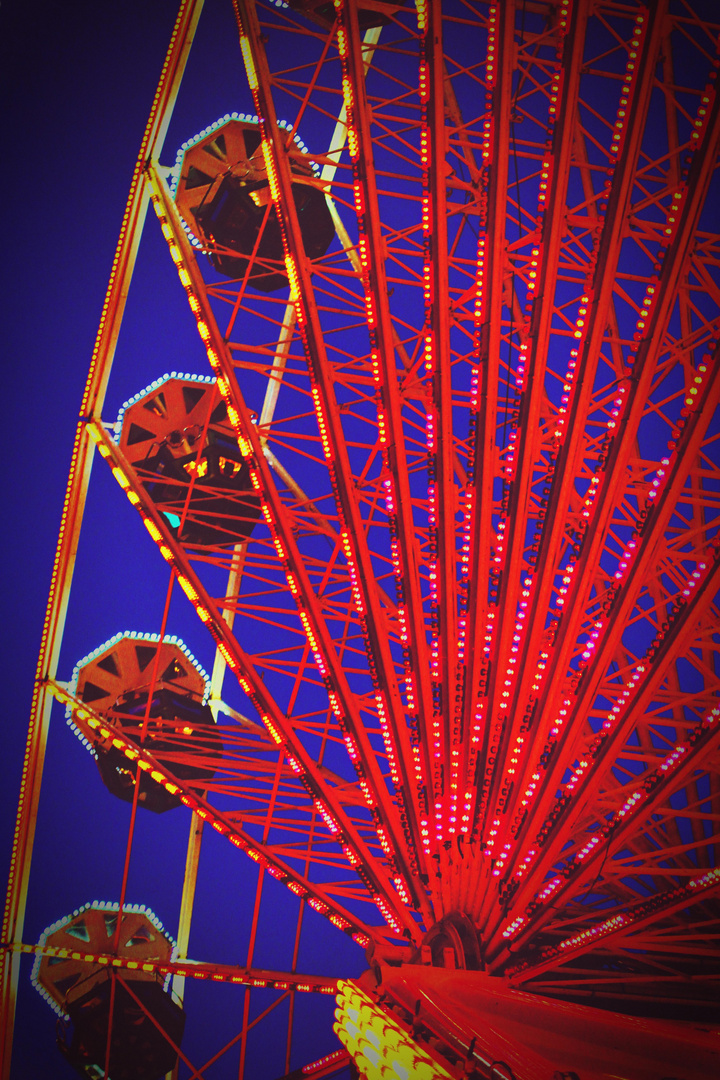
pixel 645 554
pixel 355 545
pixel 622 930
pixel 443 499
pixel 480 535
pixel 516 582
pixel 639 859
pixel 201 970
pixel 672 641
pixel 276 722
pixel 470 599
pixel 344 702
pixel 634 700
pixel 633 814
pixel 397 491
pixel 607 499
pixel 572 434
pixel 93 728
pixel 618 694
pixel 596 311
pixel 631 985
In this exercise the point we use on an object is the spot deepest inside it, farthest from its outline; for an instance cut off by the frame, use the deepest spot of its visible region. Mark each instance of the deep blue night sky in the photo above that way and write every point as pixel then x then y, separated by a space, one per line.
pixel 79 78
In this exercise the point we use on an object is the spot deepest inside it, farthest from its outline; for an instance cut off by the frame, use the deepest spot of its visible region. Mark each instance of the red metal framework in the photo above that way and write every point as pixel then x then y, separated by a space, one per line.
pixel 475 632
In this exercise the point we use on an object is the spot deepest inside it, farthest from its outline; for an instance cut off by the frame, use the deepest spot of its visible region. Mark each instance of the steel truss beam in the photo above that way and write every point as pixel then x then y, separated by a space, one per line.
pixel 514 583
pixel 622 926
pixel 652 538
pixel 442 493
pixel 620 829
pixel 609 491
pixel 478 725
pixel 355 548
pixel 372 251
pixel 282 732
pixel 566 467
pixel 90 724
pixel 196 969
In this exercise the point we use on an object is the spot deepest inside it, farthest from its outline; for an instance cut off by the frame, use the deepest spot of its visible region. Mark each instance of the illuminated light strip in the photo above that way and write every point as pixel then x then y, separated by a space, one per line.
pixel 510 676
pixel 353 571
pixel 188 968
pixel 650 781
pixel 469 511
pixel 446 722
pixel 514 927
pixel 491 62
pixel 249 62
pixel 679 194
pixel 354 148
pixel 88 718
pixel 560 431
pixel 693 580
pixel 384 842
pixel 629 79
pixel 529 791
pixel 547 170
pixel 382 711
pixel 381 1047
pixel 291 268
pixel 347 507
pixel 609 723
pixel 312 641
pixel 327 817
pixel 433 574
pixel 336 1056
pixel 389 723
pixel 627 920
pixel 632 804
pixel 388 915
pixel 402 890
pixel 476 795
pixel 608 927
pixel 705 881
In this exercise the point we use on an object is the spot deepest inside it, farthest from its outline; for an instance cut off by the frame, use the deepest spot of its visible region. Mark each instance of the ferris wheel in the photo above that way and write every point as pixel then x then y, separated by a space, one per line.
pixel 433 454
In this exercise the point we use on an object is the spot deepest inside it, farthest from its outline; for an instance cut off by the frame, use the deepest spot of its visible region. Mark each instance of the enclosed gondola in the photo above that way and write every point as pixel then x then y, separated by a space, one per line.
pixel 177 436
pixel 223 194
pixel 153 694
pixel 102 973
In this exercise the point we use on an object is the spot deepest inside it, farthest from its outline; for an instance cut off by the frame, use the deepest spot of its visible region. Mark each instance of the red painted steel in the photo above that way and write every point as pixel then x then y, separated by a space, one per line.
pixel 475 633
